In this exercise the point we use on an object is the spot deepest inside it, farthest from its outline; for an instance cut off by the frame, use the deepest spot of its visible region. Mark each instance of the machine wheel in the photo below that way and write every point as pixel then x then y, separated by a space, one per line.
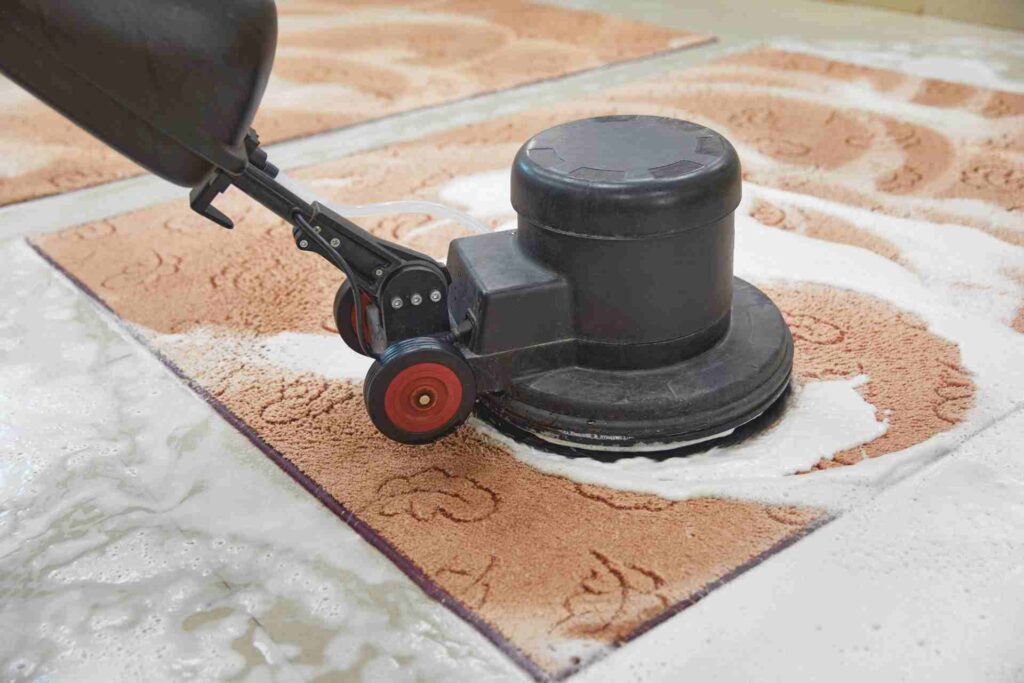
pixel 419 390
pixel 345 317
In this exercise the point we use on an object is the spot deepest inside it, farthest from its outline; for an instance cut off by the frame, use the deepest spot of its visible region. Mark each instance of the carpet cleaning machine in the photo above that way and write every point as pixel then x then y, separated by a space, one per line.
pixel 608 320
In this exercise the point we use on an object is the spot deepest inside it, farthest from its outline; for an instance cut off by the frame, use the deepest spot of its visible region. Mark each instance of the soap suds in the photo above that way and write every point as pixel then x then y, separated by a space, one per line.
pixel 481 194
pixel 302 353
pixel 313 353
pixel 924 248
pixel 970 61
pixel 15 160
pixel 821 419
pixel 819 225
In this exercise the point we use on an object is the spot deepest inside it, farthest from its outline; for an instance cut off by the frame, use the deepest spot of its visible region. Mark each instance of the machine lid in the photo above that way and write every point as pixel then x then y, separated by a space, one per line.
pixel 171 84
pixel 626 176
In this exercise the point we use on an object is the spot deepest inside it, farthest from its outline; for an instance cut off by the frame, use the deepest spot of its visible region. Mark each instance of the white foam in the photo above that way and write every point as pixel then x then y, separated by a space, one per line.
pixel 860 96
pixel 481 194
pixel 438 210
pixel 822 418
pixel 324 355
pixel 982 263
pixel 18 157
pixel 972 61
pixel 321 354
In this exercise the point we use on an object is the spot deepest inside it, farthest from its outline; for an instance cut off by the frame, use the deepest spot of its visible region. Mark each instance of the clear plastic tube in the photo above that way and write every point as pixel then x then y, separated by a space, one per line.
pixel 392 208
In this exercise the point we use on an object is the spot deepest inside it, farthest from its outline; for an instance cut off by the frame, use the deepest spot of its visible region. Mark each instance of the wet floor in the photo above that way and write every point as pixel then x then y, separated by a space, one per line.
pixel 143 538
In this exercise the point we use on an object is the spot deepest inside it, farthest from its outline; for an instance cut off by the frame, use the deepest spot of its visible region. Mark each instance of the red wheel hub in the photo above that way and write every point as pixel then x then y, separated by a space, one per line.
pixel 366 323
pixel 423 397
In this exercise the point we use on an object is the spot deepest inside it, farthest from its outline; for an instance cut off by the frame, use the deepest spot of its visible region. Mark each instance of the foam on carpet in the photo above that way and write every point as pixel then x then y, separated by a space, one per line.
pixel 340 62
pixel 902 295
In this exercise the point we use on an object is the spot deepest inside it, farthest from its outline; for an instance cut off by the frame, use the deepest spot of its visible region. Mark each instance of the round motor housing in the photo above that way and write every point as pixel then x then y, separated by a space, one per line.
pixel 634 216
pixel 637 213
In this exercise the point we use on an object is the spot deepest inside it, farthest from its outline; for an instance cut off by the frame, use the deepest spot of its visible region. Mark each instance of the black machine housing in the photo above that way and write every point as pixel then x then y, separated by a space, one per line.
pixel 609 319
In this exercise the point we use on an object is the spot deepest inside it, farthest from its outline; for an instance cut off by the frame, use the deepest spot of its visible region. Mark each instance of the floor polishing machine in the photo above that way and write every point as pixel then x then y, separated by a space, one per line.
pixel 609 320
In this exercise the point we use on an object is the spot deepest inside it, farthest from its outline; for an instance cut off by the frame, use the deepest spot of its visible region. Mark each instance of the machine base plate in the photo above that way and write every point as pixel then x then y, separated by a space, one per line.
pixel 637 412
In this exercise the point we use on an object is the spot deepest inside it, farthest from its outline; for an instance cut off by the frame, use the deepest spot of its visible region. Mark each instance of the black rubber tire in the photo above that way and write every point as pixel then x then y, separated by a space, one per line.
pixel 344 302
pixel 395 415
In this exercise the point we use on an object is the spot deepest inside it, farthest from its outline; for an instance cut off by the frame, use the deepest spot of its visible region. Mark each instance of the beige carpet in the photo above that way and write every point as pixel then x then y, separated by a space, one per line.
pixel 557 572
pixel 344 61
